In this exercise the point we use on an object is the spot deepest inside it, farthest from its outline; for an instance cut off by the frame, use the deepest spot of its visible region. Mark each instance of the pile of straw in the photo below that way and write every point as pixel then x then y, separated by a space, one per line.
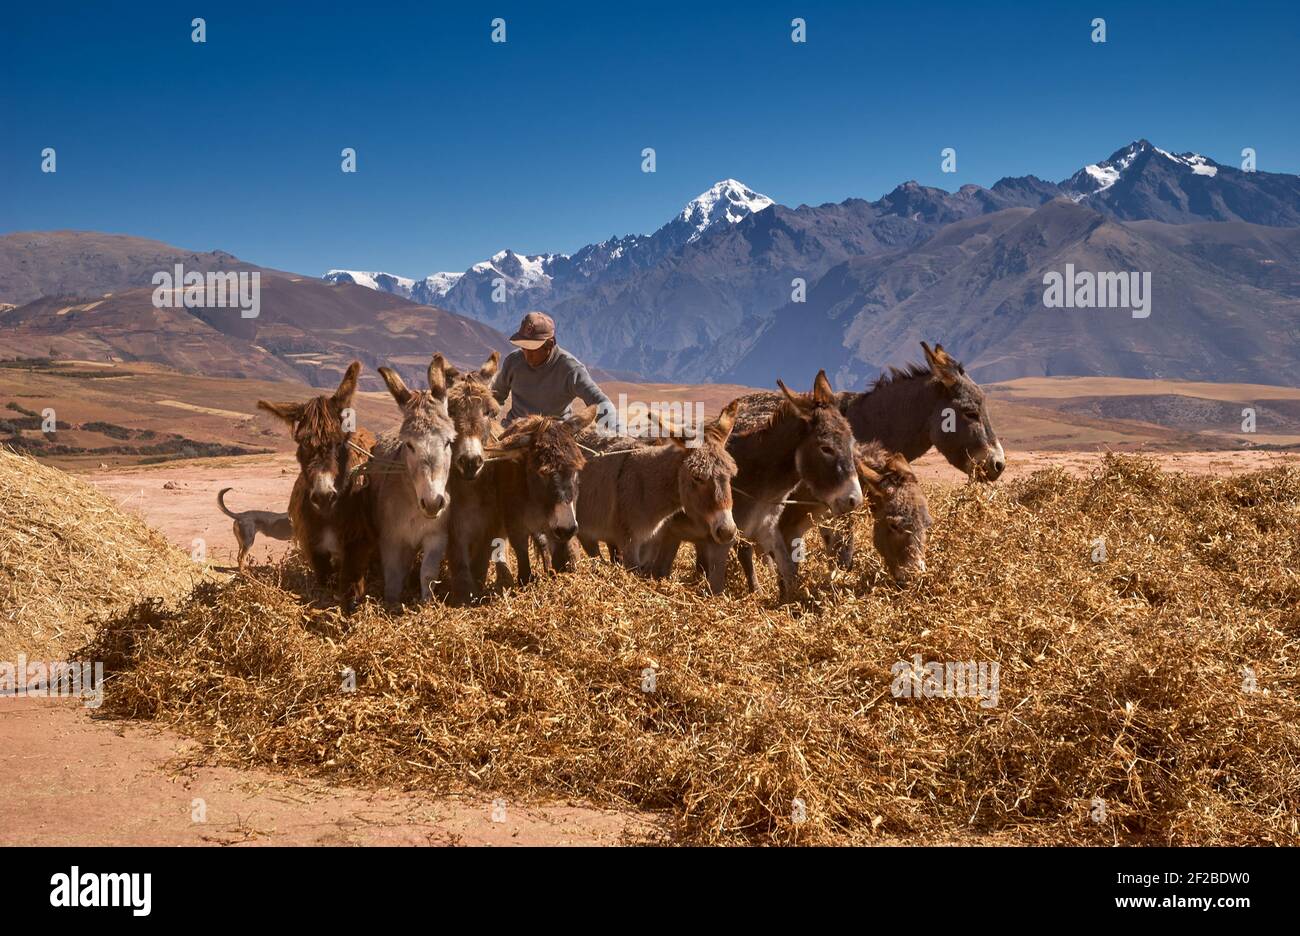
pixel 1150 697
pixel 69 555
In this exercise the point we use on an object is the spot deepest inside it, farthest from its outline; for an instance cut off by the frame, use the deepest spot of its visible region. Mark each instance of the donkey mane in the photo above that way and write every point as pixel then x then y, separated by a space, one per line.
pixel 551 441
pixel 883 461
pixel 468 390
pixel 422 414
pixel 319 421
pixel 906 372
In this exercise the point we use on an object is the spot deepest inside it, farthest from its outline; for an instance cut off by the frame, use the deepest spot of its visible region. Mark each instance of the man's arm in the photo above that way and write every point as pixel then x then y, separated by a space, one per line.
pixel 501 385
pixel 584 388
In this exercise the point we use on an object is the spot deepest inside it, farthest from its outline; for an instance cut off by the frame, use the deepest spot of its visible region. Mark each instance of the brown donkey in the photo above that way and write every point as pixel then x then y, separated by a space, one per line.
pixel 899 510
pixel 323 507
pixel 804 438
pixel 475 413
pixel 938 405
pixel 632 488
pixel 527 491
pixel 407 496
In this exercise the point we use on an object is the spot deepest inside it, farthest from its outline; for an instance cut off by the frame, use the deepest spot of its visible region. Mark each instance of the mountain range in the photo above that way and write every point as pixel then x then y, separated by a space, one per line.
pixel 709 296
pixel 738 288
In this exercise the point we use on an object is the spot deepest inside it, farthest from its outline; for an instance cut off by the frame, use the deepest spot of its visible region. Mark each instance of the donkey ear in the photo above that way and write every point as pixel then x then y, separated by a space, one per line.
pixel 289 412
pixel 513 446
pixel 396 387
pixel 872 481
pixel 823 393
pixel 899 466
pixel 945 369
pixel 489 369
pixel 438 377
pixel 799 403
pixel 347 386
pixel 720 430
pixel 576 422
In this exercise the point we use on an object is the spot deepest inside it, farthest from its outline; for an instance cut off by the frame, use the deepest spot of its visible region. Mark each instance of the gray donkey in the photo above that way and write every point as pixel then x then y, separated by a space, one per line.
pixel 407 496
pixel 938 405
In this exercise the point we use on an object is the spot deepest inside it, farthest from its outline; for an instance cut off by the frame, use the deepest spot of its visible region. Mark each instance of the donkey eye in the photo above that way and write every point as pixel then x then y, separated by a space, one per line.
pixel 827 450
pixel 971 414
pixel 410 446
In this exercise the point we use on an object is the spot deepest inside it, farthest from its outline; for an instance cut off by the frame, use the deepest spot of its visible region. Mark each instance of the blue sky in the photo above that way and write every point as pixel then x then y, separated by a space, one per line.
pixel 466 147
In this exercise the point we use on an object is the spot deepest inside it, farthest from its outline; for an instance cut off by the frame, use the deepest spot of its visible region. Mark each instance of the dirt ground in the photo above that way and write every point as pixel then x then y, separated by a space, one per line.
pixel 67 777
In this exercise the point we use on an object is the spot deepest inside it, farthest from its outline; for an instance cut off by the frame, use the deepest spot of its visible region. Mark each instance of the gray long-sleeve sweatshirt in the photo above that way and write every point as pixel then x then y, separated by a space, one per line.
pixel 548 389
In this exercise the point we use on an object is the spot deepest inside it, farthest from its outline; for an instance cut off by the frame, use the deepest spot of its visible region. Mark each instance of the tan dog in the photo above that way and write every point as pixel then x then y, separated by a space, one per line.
pixel 249 523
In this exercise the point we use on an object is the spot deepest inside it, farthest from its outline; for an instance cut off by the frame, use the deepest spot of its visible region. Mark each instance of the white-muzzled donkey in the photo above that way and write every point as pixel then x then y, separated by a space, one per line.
pixel 407 494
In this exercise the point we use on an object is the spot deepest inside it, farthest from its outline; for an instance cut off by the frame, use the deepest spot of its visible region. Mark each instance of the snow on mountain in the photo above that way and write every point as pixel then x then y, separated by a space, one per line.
pixel 383 282
pixel 728 201
pixel 439 284
pixel 534 276
pixel 1099 177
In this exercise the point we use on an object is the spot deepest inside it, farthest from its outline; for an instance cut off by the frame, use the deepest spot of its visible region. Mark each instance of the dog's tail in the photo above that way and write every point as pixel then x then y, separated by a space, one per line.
pixel 221 502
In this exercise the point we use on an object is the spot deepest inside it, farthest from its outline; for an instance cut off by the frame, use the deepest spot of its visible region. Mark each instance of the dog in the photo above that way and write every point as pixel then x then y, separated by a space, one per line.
pixel 249 523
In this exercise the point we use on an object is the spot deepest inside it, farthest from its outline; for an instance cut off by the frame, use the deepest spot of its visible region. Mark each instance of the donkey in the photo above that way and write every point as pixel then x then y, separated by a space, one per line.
pixel 323 507
pixel 912 409
pixel 805 438
pixel 899 509
pixel 475 413
pixel 527 492
pixel 632 488
pixel 407 496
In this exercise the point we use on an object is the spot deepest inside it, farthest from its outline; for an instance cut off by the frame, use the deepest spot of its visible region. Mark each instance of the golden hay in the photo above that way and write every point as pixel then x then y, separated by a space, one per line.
pixel 68 555
pixel 1146 698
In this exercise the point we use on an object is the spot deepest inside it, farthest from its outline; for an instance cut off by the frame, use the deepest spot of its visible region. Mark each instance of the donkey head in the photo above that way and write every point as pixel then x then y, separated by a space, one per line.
pixel 319 429
pixel 825 456
pixel 959 423
pixel 899 510
pixel 551 458
pixel 425 435
pixel 705 474
pixel 474 412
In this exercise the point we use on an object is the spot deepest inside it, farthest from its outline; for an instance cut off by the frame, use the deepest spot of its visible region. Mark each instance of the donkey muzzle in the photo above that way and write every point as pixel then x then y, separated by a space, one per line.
pixel 723 530
pixel 324 500
pixel 469 466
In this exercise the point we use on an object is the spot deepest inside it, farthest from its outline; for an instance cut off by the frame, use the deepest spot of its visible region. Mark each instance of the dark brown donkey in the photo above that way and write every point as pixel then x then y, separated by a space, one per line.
pixel 805 438
pixel 527 489
pixel 899 510
pixel 912 409
pixel 324 506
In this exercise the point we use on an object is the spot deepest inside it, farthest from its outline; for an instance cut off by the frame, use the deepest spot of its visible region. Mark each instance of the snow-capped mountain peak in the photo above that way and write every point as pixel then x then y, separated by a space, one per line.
pixel 1098 177
pixel 438 285
pixel 728 201
pixel 384 282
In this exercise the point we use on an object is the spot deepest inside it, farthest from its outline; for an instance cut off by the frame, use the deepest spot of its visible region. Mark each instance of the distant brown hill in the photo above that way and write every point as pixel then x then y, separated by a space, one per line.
pixel 307 330
pixel 34 264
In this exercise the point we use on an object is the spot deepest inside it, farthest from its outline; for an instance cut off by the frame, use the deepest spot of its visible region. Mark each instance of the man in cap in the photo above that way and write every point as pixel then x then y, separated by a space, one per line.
pixel 543 378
